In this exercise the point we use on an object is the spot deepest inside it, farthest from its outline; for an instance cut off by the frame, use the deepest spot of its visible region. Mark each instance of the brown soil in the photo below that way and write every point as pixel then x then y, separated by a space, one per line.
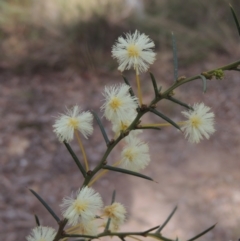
pixel 203 180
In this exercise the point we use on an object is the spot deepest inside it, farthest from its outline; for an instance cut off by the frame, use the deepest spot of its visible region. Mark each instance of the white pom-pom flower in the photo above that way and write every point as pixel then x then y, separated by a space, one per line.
pixel 116 212
pixel 134 51
pixel 122 125
pixel 135 156
pixel 200 123
pixel 41 233
pixel 85 228
pixel 83 208
pixel 118 102
pixel 74 119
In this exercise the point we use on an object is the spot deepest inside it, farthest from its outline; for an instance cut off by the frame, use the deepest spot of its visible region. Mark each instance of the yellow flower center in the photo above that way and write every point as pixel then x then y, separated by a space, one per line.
pixel 195 121
pixel 80 206
pixel 115 103
pixel 124 126
pixel 109 211
pixel 129 155
pixel 73 122
pixel 133 51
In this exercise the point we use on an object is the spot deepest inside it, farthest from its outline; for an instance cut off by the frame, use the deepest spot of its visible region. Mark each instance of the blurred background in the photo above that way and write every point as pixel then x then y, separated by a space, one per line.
pixel 55 54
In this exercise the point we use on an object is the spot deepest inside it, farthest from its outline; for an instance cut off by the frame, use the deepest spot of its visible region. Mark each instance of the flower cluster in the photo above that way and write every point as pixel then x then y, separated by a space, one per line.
pixel 83 208
pixel 82 212
pixel 120 108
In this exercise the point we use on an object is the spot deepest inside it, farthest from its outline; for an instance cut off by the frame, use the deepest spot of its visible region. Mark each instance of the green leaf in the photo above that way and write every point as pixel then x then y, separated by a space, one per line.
pixel 175 60
pixel 113 196
pixel 204 80
pixel 45 205
pixel 37 220
pixel 156 92
pixel 235 18
pixel 127 82
pixel 167 220
pixel 165 118
pixel 151 229
pixel 107 225
pixel 78 163
pixel 101 128
pixel 159 237
pixel 116 169
pixel 179 102
pixel 109 219
pixel 202 233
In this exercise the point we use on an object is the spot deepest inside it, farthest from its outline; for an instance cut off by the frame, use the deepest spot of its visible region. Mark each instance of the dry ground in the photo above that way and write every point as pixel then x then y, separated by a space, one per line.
pixel 203 180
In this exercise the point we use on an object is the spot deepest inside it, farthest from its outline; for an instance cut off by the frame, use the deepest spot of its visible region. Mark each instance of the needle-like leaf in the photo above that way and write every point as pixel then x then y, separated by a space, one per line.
pixel 78 163
pixel 127 82
pixel 165 118
pixel 113 196
pixel 117 169
pixel 151 229
pixel 235 19
pixel 101 128
pixel 154 83
pixel 167 220
pixel 204 80
pixel 37 220
pixel 45 205
pixel 175 60
pixel 179 102
pixel 107 225
pixel 202 233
